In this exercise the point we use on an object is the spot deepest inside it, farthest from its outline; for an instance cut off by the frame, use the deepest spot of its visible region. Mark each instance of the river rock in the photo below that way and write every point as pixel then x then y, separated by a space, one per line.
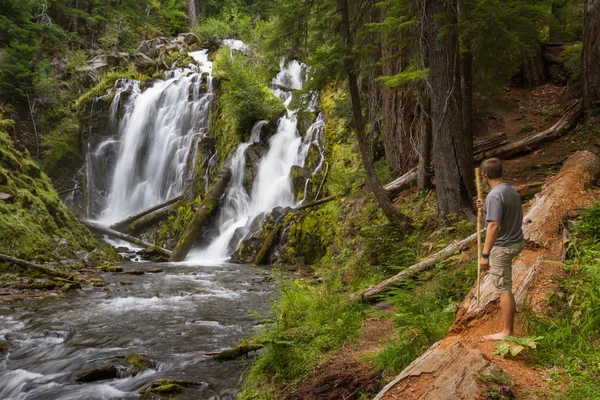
pixel 132 272
pixel 126 283
pixel 152 255
pixel 155 270
pixel 143 62
pixel 108 371
pixel 3 346
pixel 188 38
pixel 138 362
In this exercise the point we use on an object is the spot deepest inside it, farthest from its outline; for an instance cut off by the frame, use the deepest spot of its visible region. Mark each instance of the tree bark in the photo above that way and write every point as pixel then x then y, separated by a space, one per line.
pixel 466 76
pixel 399 135
pixel 125 222
pixel 208 205
pixel 28 264
pixel 452 149
pixel 192 16
pixel 591 55
pixel 119 235
pixel 533 69
pixel 424 171
pixel 386 205
pixel 422 266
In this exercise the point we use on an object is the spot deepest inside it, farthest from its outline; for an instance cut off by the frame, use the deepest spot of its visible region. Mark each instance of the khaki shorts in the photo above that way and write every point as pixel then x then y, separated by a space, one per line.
pixel 501 258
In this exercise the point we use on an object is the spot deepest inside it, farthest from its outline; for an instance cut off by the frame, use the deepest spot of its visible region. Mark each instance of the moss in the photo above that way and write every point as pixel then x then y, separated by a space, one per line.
pixel 35 225
pixel 108 81
pixel 167 389
pixel 175 226
pixel 138 361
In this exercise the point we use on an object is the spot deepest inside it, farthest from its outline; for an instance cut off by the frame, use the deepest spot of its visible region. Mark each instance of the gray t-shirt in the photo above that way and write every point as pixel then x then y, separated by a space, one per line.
pixel 503 205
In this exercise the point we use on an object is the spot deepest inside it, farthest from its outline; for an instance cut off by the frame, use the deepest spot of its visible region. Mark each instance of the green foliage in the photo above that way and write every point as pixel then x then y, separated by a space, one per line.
pixel 245 98
pixel 571 58
pixel 308 321
pixel 171 16
pixel 513 345
pixel 425 313
pixel 570 331
pixel 34 223
pixel 230 22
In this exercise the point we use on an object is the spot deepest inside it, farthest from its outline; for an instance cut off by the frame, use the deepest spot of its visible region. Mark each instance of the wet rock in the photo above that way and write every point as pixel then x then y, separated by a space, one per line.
pixel 254 153
pixel 200 169
pixel 269 130
pixel 298 177
pixel 3 347
pixel 109 371
pixel 121 249
pixel 111 268
pixel 126 283
pixel 67 287
pixel 97 282
pixel 152 255
pixel 139 362
pixel 164 388
pixel 313 158
pixel 132 272
pixel 155 270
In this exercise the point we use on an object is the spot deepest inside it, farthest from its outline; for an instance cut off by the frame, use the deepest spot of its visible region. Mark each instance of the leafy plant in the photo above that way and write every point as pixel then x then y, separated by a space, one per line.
pixel 515 345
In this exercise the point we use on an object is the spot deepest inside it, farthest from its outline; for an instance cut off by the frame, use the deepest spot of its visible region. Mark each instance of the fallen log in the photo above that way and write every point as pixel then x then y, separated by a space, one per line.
pixel 480 145
pixel 564 125
pixel 138 226
pixel 208 205
pixel 489 142
pixel 28 264
pixel 95 227
pixel 125 222
pixel 422 266
pixel 504 151
pixel 260 256
pixel 318 202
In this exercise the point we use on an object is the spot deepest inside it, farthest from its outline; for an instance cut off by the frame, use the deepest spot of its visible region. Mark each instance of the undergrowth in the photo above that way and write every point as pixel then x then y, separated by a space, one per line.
pixel 570 345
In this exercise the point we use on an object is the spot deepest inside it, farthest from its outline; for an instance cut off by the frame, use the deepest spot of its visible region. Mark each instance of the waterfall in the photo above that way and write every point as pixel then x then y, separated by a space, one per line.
pixel 153 138
pixel 271 187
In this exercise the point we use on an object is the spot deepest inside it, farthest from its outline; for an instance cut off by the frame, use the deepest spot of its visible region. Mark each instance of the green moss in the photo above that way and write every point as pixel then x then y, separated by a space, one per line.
pixel 139 361
pixel 35 225
pixel 167 389
pixel 175 226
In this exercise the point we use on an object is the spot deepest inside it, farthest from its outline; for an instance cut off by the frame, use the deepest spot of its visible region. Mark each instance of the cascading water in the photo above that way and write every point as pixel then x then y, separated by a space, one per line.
pixel 154 138
pixel 272 186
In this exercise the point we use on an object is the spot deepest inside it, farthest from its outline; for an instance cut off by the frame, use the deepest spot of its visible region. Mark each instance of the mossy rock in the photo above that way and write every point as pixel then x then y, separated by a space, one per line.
pixel 298 177
pixel 108 371
pixel 3 346
pixel 139 362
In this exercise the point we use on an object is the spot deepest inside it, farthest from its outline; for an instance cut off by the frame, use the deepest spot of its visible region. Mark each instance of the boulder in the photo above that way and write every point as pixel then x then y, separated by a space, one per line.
pixel 188 39
pixel 108 371
pixel 254 153
pixel 143 62
pixel 299 176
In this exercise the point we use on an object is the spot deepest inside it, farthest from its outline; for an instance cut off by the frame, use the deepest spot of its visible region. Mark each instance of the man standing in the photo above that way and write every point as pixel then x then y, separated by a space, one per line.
pixel 503 214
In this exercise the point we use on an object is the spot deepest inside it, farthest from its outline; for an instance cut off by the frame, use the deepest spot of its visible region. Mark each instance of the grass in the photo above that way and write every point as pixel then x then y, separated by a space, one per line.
pixel 570 348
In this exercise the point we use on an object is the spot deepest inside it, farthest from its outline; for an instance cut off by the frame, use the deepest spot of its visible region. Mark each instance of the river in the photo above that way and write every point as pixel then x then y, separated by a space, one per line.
pixel 171 317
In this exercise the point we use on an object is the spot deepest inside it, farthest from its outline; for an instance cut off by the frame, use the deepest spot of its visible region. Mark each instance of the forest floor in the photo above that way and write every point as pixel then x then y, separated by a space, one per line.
pixel 520 113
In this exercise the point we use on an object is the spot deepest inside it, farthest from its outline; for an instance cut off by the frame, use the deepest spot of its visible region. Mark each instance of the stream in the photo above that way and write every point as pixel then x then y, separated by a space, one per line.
pixel 170 317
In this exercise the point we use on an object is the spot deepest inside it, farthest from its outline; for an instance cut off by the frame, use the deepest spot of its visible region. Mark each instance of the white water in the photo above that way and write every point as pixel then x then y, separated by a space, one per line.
pixel 154 138
pixel 271 187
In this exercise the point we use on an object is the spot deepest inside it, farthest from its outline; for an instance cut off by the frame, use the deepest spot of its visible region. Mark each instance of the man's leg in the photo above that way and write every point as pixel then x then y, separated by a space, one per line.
pixel 508 306
pixel 501 275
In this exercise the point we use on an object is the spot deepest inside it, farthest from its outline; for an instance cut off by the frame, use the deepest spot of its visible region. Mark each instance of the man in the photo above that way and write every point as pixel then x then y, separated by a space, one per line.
pixel 503 214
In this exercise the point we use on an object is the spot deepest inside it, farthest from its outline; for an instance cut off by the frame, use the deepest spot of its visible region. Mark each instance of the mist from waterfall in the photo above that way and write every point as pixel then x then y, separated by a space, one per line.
pixel 272 186
pixel 154 137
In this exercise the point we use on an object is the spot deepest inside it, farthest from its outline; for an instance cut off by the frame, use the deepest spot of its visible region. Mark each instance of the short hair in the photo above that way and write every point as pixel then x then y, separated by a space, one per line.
pixel 492 167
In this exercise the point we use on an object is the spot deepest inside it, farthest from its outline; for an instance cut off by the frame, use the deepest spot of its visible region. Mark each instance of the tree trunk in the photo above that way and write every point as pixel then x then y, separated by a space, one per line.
pixel 424 170
pixel 452 149
pixel 591 54
pixel 533 69
pixel 422 266
pixel 92 226
pixel 208 205
pixel 118 226
pixel 466 77
pixel 399 137
pixel 192 17
pixel 387 207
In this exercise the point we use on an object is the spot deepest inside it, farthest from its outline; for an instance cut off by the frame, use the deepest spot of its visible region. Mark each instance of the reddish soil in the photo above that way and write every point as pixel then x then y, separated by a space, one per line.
pixel 345 375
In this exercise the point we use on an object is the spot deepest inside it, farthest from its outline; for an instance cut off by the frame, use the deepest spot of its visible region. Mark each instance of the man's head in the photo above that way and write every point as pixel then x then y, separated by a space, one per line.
pixel 491 170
